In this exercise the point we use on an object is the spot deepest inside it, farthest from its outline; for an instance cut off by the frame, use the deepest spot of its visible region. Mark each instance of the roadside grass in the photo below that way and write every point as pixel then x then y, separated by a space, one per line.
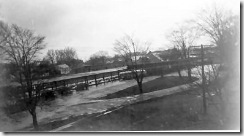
pixel 154 85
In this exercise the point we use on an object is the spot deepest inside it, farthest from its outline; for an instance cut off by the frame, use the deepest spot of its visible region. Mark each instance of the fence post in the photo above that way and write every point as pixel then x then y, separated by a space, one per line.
pixel 111 76
pixel 103 79
pixel 86 83
pixel 95 76
pixel 118 75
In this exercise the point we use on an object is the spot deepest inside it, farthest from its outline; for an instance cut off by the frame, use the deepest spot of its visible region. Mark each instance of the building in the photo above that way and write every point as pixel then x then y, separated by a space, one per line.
pixel 154 57
pixel 63 68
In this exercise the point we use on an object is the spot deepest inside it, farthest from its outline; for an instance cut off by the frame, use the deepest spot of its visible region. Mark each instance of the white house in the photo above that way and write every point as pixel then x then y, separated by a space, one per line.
pixel 63 68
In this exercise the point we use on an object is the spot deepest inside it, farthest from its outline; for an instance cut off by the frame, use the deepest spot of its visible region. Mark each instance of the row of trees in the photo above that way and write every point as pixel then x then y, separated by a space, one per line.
pixel 217 26
pixel 100 59
pixel 63 56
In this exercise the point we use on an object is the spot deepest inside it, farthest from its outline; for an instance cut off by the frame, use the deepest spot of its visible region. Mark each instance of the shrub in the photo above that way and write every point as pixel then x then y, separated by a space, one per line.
pixel 48 95
pixel 64 90
pixel 12 99
pixel 81 87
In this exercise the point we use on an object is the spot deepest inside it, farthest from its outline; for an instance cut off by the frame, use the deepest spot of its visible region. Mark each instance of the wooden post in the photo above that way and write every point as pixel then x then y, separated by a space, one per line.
pixel 75 81
pixel 86 83
pixel 52 85
pixel 64 82
pixel 111 74
pixel 103 79
pixel 203 82
pixel 56 86
pixel 118 75
pixel 95 76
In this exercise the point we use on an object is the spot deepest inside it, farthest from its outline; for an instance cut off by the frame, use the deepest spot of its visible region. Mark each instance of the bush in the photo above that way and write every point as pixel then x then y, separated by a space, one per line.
pixel 12 100
pixel 154 71
pixel 48 95
pixel 81 87
pixel 64 90
pixel 15 108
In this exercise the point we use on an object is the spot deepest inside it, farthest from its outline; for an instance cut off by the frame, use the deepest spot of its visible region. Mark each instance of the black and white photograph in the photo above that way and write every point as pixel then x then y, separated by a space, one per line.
pixel 120 66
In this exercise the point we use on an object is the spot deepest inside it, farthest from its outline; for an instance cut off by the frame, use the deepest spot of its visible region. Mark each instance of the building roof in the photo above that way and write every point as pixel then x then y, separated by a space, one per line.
pixel 63 66
pixel 154 56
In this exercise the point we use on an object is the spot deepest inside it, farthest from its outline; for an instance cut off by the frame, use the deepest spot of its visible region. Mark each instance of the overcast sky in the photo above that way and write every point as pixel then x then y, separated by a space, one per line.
pixel 92 25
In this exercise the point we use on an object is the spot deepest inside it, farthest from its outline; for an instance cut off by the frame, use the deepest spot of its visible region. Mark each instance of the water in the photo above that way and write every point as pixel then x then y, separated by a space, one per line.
pixel 85 102
pixel 78 103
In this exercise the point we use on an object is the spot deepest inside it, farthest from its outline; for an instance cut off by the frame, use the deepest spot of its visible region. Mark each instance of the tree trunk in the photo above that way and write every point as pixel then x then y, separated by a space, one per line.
pixel 140 87
pixel 189 73
pixel 178 70
pixel 34 118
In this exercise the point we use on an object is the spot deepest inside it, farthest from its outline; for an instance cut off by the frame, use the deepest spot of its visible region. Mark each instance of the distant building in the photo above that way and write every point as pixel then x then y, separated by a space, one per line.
pixel 63 68
pixel 150 57
pixel 209 51
pixel 154 57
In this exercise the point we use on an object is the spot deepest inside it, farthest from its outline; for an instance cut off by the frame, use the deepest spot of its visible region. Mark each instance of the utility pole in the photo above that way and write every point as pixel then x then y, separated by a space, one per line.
pixel 189 64
pixel 203 82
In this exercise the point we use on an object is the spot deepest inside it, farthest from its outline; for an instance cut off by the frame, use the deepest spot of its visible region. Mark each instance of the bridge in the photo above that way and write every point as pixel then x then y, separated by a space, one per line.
pixel 88 78
pixel 108 75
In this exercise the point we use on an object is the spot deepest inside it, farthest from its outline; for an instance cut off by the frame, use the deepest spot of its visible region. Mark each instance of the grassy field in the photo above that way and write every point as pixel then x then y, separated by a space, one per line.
pixel 181 111
pixel 159 83
pixel 154 85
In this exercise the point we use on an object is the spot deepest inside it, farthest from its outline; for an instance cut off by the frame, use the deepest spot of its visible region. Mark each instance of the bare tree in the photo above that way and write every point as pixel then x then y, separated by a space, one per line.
pixel 21 46
pixel 181 38
pixel 51 56
pixel 222 27
pixel 63 56
pixel 100 53
pixel 99 58
pixel 133 53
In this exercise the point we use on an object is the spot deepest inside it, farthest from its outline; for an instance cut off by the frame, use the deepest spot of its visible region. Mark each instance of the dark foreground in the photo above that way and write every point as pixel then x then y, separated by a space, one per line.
pixel 181 111
pixel 150 86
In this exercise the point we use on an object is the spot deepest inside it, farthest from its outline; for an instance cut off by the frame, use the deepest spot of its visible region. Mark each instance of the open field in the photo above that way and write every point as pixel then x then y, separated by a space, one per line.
pixel 180 111
pixel 115 103
pixel 154 85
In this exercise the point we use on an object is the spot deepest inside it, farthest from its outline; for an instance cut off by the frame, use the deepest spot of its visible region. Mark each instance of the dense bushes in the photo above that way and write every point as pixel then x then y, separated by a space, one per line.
pixel 64 90
pixel 12 102
pixel 48 95
pixel 81 87
pixel 160 71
